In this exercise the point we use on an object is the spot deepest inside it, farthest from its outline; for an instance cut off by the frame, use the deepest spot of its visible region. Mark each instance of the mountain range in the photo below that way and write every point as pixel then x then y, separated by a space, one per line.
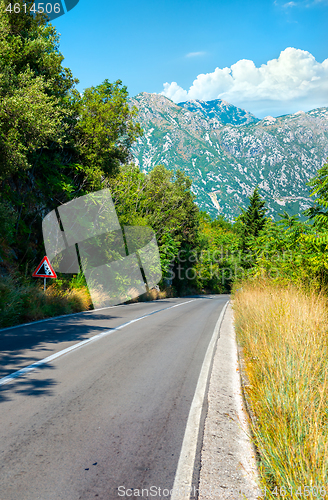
pixel 227 151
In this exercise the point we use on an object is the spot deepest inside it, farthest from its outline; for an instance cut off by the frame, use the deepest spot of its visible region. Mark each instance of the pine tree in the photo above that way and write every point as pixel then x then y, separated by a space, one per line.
pixel 253 218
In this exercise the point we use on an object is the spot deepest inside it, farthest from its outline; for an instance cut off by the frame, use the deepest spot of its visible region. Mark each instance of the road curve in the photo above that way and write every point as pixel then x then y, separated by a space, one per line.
pixel 107 419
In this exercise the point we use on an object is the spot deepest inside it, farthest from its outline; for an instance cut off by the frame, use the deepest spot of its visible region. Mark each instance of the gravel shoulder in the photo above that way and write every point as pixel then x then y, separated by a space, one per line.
pixel 228 463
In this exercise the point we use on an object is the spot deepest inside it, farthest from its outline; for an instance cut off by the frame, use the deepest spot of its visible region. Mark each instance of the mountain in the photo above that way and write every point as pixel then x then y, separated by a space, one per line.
pixel 226 113
pixel 226 161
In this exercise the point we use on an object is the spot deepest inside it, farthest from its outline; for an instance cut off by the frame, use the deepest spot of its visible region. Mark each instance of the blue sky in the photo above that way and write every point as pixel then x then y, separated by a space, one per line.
pixel 198 47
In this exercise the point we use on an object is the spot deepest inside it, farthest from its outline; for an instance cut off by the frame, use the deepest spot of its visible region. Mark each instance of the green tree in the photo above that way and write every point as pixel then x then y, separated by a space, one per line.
pixel 33 85
pixel 171 205
pixel 33 114
pixel 105 131
pixel 319 211
pixel 288 220
pixel 217 263
pixel 54 143
pixel 162 200
pixel 252 219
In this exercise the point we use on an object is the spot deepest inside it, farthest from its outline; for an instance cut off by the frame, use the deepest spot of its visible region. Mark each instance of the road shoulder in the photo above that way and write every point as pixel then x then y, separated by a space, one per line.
pixel 228 465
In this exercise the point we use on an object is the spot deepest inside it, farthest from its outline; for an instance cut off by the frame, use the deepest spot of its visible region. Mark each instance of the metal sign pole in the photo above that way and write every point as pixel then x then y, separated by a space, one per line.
pixel 44 286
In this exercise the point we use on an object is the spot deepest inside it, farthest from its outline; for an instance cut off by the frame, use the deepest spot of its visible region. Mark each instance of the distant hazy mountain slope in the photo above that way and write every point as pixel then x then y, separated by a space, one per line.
pixel 226 162
pixel 222 110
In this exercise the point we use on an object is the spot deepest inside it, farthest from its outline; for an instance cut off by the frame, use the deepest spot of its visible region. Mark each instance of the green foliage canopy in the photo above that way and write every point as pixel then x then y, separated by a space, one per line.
pixel 318 213
pixel 55 144
pixel 104 131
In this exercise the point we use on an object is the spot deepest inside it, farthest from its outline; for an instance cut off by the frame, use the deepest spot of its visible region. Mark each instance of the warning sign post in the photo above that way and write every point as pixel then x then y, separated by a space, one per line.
pixel 44 270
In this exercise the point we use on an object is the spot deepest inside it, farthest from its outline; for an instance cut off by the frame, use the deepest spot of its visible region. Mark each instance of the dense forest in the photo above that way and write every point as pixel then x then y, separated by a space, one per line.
pixel 57 144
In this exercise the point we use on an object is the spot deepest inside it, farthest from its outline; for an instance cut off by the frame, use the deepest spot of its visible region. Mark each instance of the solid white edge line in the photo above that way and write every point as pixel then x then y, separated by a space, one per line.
pixel 69 315
pixel 182 486
pixel 34 366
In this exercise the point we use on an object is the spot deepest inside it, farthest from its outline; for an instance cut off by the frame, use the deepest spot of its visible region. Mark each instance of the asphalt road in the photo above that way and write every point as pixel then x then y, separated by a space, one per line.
pixel 107 419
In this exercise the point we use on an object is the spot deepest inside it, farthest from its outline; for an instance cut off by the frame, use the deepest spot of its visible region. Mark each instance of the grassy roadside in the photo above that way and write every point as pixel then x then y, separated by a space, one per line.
pixel 283 333
pixel 23 300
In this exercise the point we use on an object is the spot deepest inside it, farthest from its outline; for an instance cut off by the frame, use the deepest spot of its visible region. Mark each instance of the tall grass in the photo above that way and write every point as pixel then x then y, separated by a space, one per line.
pixel 283 333
pixel 22 301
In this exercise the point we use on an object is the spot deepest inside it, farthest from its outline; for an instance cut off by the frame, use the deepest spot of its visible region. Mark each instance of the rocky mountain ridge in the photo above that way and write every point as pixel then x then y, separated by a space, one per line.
pixel 226 161
pixel 226 113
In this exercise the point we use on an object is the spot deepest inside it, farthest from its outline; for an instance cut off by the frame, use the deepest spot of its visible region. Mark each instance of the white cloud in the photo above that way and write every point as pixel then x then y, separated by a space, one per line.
pixel 195 54
pixel 289 4
pixel 293 81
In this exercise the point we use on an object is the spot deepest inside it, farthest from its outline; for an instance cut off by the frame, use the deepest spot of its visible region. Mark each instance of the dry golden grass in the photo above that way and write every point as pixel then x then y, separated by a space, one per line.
pixel 283 332
pixel 20 302
pixel 23 301
pixel 100 297
pixel 153 294
pixel 56 302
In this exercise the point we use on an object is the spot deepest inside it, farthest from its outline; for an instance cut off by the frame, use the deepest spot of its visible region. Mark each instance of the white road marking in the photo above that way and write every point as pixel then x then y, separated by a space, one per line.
pixel 66 316
pixel 44 361
pixel 182 486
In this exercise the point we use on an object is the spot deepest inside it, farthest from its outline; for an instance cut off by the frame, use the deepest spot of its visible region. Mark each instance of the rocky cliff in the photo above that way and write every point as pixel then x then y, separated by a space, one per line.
pixel 227 151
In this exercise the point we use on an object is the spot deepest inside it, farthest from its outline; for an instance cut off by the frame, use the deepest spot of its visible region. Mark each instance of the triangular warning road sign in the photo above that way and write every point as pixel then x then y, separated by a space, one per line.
pixel 44 270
